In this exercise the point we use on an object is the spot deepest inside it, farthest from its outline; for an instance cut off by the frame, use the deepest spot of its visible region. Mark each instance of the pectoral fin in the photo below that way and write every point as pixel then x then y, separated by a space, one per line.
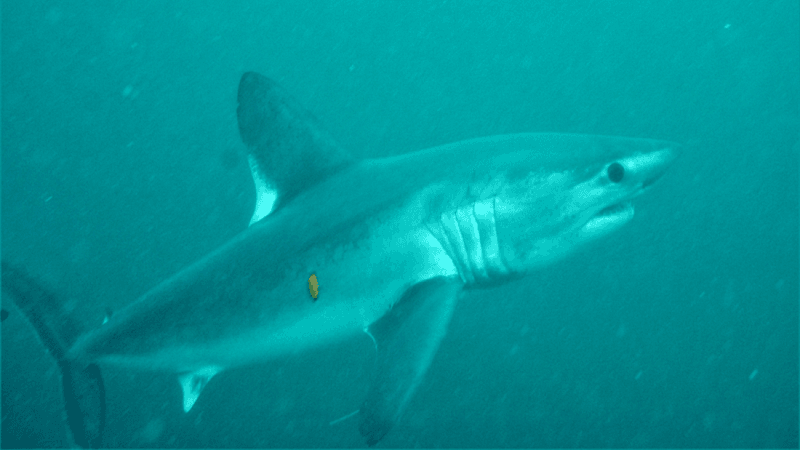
pixel 416 326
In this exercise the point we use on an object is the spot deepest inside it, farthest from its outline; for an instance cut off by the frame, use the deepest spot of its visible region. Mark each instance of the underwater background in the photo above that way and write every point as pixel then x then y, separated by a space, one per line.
pixel 122 164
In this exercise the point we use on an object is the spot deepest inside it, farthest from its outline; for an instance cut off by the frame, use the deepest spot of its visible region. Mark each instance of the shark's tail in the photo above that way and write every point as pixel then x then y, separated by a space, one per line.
pixel 84 394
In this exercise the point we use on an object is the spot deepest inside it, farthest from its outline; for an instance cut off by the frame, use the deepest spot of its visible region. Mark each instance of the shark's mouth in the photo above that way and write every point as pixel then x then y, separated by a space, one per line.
pixel 608 219
pixel 616 208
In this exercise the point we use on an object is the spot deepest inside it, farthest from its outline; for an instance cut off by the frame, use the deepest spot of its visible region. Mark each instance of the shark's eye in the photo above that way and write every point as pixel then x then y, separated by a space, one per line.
pixel 616 172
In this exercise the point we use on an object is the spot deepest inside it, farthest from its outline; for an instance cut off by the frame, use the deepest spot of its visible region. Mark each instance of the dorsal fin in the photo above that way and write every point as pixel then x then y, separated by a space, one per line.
pixel 288 151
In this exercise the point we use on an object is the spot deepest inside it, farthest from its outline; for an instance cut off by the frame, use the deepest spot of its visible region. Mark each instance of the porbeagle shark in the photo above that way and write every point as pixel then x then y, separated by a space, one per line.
pixel 392 240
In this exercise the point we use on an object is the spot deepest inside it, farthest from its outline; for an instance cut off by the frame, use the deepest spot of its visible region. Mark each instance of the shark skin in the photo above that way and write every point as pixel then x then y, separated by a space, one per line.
pixel 393 242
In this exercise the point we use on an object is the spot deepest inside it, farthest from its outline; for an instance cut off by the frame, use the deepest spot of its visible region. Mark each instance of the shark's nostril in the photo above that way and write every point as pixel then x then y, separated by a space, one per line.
pixel 648 182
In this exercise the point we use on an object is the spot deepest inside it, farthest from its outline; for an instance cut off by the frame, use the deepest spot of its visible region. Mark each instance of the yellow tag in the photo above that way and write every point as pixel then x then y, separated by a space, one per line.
pixel 313 286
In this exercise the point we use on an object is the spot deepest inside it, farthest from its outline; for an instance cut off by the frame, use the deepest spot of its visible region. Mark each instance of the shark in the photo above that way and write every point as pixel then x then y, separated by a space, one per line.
pixel 339 246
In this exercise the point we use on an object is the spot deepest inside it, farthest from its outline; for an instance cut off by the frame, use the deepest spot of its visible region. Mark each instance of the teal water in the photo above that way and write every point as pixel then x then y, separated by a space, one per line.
pixel 121 164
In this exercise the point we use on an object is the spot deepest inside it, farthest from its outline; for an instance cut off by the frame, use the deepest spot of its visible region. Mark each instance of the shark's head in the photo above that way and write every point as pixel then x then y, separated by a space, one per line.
pixel 546 211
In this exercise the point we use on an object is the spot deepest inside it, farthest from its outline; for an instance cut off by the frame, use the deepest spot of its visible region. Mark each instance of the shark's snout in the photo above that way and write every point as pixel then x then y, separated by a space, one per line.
pixel 658 162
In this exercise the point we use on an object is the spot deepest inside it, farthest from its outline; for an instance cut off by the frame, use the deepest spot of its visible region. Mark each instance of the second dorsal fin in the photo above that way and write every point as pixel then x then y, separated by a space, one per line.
pixel 287 149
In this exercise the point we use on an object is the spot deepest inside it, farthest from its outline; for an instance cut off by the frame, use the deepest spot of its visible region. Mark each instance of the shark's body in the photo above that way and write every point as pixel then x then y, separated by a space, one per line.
pixel 393 239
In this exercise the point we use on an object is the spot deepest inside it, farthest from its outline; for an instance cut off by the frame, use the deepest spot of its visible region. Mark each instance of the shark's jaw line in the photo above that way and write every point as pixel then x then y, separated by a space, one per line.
pixel 608 219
